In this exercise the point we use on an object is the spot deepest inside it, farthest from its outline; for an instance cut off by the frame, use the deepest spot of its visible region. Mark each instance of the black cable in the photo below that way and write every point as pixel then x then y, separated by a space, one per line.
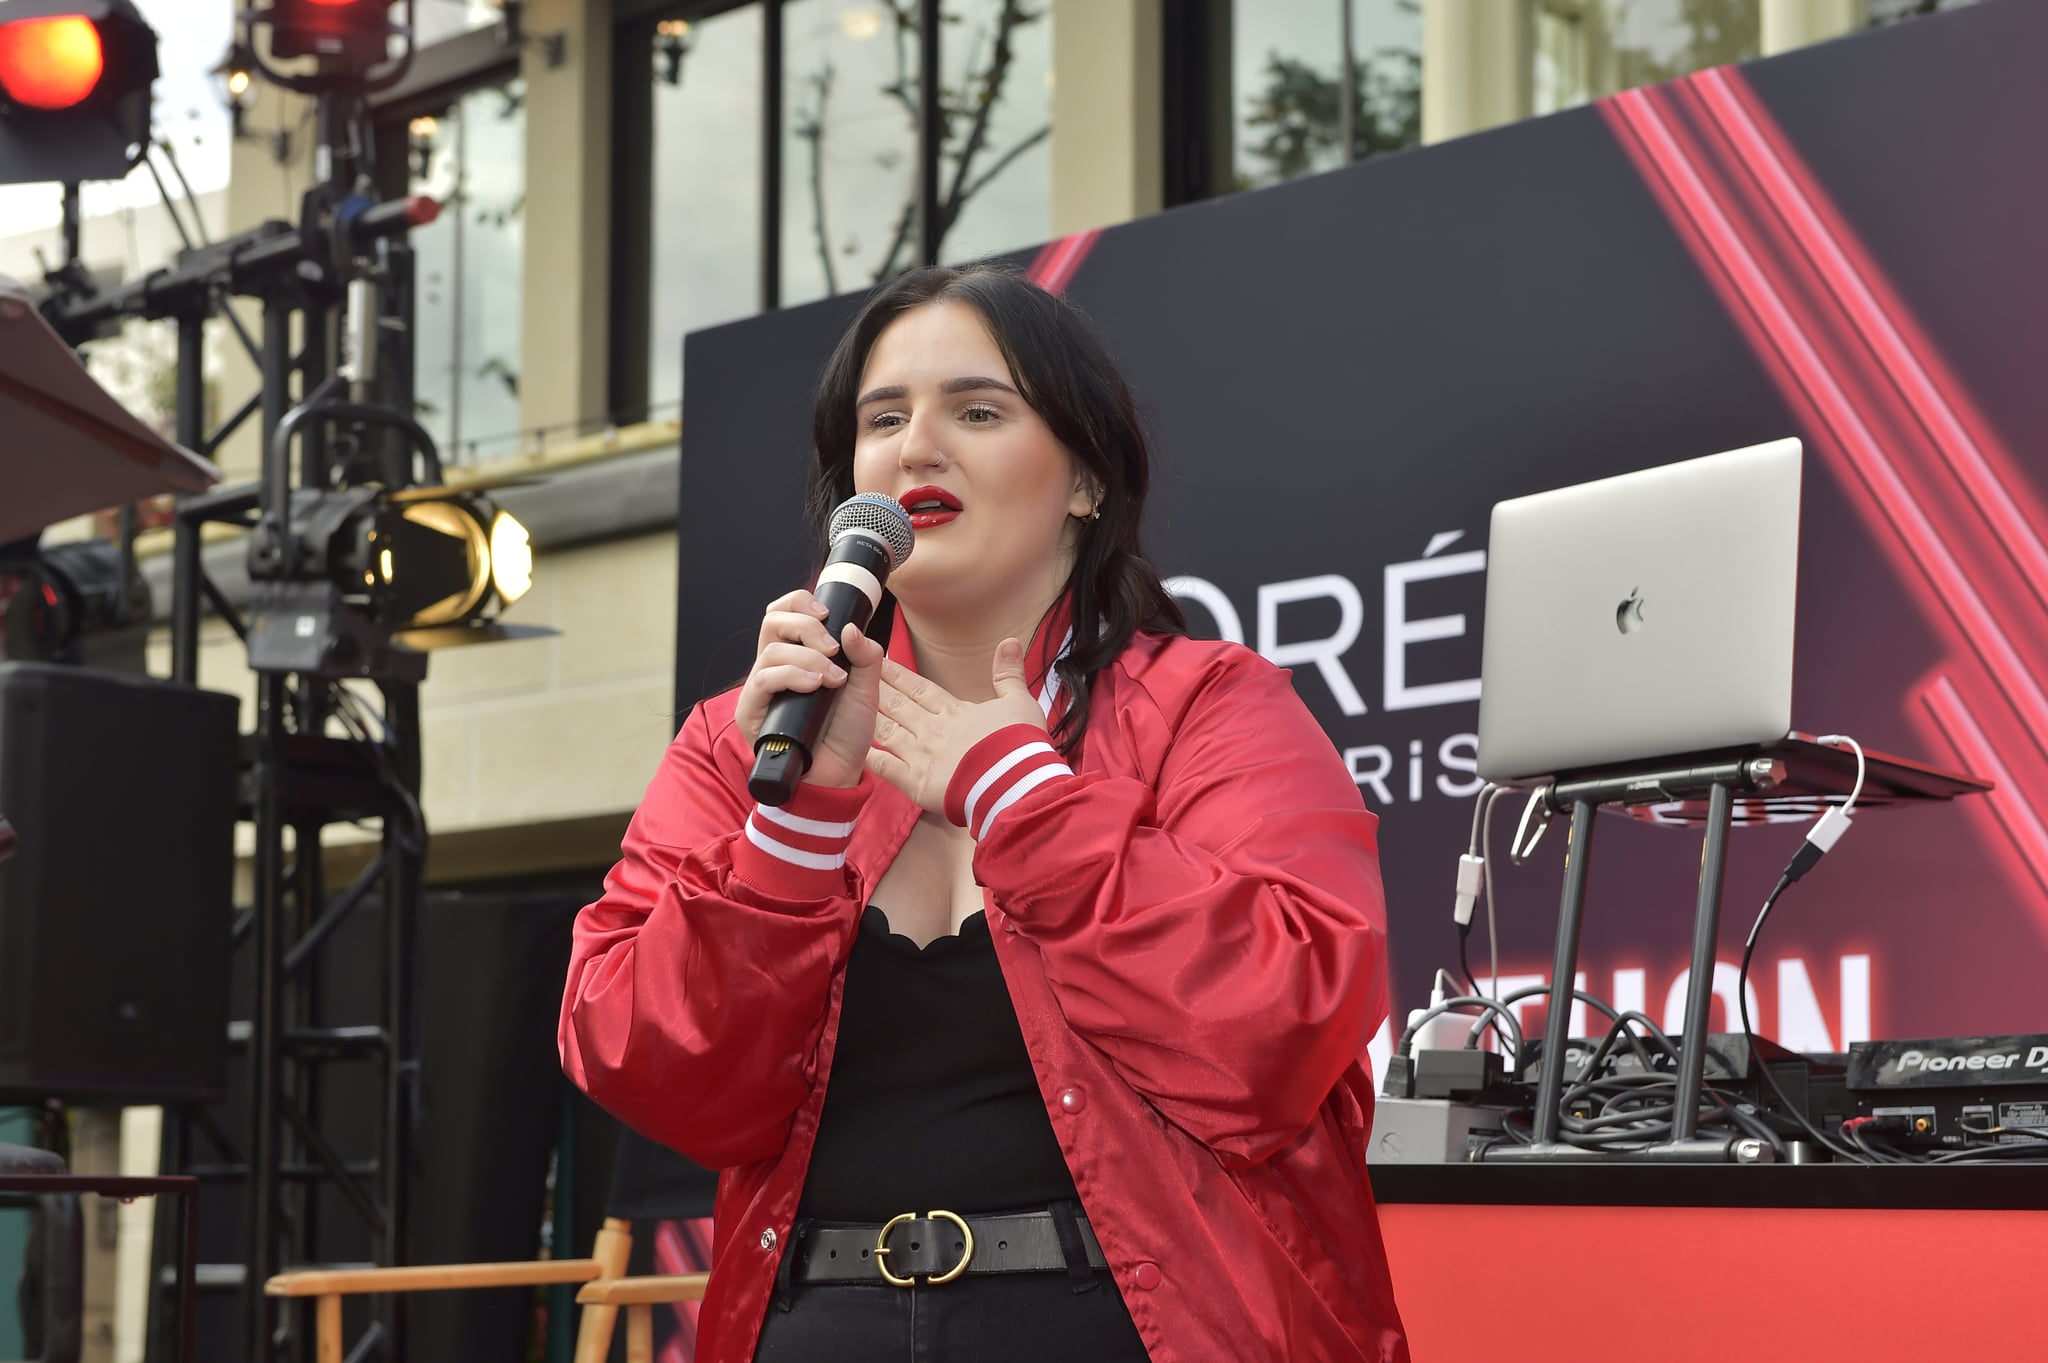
pixel 1494 1010
pixel 2024 1133
pixel 1856 1156
pixel 1621 1029
pixel 1993 1153
pixel 1592 1001
pixel 1868 1136
pixel 349 708
pixel 1869 1143
pixel 1464 963
pixel 1637 1109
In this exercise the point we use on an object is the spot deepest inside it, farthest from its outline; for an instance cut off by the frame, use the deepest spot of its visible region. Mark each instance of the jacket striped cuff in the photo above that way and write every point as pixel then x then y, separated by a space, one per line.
pixel 798 851
pixel 999 771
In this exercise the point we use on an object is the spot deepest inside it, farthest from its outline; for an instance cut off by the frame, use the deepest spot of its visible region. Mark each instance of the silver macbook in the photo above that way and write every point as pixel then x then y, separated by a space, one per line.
pixel 1642 616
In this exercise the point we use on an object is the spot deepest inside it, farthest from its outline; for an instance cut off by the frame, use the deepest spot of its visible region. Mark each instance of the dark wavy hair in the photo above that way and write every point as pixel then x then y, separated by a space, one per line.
pixel 1064 371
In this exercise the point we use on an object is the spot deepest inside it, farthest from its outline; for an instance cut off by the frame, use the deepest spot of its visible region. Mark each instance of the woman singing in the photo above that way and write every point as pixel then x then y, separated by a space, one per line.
pixel 1030 1028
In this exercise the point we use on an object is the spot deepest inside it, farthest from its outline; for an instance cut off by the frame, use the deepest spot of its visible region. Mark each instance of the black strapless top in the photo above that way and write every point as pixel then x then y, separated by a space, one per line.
pixel 931 1102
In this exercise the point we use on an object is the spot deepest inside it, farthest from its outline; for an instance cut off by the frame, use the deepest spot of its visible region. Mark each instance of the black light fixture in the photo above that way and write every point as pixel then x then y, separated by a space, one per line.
pixel 672 44
pixel 554 47
pixel 75 78
pixel 235 74
pixel 358 32
pixel 369 580
pixel 420 135
pixel 66 603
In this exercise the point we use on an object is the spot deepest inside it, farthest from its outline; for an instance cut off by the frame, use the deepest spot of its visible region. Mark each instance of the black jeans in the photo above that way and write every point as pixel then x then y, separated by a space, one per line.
pixel 982 1318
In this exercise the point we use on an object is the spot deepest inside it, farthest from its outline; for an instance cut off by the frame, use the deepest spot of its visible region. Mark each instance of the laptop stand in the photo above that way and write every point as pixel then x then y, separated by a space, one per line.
pixel 1796 774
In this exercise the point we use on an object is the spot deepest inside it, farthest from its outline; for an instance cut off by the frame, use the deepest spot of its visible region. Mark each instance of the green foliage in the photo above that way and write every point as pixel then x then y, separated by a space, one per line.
pixel 1296 115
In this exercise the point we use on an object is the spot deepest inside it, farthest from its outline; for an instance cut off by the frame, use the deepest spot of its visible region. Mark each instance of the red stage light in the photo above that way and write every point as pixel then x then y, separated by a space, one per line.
pixel 355 31
pixel 50 63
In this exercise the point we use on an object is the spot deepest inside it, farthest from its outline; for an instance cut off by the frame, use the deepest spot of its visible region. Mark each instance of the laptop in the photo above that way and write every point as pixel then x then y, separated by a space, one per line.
pixel 1641 617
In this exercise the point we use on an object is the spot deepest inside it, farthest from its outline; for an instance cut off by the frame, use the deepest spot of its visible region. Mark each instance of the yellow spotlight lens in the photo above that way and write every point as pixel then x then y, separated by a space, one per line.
pixel 238 83
pixel 461 568
pixel 384 564
pixel 511 557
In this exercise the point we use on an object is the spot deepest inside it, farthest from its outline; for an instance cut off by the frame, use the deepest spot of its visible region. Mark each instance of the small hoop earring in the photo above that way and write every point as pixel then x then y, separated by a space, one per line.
pixel 1096 514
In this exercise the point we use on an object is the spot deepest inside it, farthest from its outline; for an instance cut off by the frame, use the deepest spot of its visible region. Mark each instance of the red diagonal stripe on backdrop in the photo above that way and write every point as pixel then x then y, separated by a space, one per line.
pixel 1952 716
pixel 1816 376
pixel 1054 266
pixel 1942 496
pixel 1962 437
pixel 1983 507
pixel 673 1254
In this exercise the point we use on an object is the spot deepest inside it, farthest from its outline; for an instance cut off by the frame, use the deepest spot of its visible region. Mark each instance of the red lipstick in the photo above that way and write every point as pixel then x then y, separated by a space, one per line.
pixel 929 507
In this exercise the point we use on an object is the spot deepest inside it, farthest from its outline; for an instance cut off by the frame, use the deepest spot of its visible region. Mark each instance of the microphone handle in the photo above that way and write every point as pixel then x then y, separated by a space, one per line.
pixel 850 587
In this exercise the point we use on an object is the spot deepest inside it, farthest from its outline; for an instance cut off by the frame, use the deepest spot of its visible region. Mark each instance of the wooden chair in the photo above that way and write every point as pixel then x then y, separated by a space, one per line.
pixel 639 1297
pixel 607 1263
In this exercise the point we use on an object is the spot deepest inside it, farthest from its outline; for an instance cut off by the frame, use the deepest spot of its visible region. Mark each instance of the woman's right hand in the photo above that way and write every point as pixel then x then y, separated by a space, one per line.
pixel 796 654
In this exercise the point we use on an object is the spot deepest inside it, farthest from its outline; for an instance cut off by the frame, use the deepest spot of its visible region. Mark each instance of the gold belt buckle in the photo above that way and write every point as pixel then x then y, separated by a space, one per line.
pixel 932 1280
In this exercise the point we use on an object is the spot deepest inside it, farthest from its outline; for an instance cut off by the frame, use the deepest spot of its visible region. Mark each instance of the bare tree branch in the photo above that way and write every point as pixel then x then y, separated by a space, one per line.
pixel 1003 162
pixel 905 222
pixel 904 12
pixel 991 91
pixel 983 92
pixel 812 130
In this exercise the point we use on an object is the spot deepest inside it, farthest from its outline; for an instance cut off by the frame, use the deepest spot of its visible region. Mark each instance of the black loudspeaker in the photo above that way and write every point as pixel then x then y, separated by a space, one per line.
pixel 116 906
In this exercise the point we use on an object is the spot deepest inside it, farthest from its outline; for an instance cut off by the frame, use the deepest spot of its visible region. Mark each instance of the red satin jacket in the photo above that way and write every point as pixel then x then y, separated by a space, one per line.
pixel 1192 929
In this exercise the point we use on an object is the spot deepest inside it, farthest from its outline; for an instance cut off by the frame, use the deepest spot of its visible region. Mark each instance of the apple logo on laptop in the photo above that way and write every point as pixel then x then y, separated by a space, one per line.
pixel 1628 616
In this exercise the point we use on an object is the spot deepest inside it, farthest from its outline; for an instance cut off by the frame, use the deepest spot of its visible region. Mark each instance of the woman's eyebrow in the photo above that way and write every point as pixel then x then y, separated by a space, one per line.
pixel 968 384
pixel 972 383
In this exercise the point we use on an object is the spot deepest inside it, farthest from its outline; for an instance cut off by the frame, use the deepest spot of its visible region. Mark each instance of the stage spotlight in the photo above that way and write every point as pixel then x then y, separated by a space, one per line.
pixel 357 31
pixel 374 579
pixel 449 558
pixel 75 77
pixel 62 604
pixel 51 63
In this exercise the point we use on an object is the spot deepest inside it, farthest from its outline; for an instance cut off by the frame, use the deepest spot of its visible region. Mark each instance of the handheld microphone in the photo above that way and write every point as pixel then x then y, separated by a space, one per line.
pixel 870 537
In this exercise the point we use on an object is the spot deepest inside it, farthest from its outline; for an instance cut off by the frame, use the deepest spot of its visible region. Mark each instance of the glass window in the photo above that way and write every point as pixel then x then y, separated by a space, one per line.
pixel 995 163
pixel 1587 49
pixel 1287 66
pixel 849 156
pixel 467 264
pixel 704 257
pixel 438 19
pixel 850 137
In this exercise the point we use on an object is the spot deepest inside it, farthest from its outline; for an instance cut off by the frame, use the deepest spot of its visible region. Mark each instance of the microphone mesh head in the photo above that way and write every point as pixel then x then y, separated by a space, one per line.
pixel 882 517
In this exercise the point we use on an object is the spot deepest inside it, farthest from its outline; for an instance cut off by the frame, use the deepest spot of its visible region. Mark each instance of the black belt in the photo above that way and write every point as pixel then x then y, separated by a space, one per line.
pixel 938 1247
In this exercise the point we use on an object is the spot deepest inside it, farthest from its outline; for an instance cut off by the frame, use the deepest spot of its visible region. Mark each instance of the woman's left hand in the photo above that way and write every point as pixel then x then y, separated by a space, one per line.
pixel 923 730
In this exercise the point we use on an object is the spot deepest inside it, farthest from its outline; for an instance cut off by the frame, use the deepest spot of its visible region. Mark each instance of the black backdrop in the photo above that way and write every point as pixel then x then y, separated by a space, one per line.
pixel 1346 372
